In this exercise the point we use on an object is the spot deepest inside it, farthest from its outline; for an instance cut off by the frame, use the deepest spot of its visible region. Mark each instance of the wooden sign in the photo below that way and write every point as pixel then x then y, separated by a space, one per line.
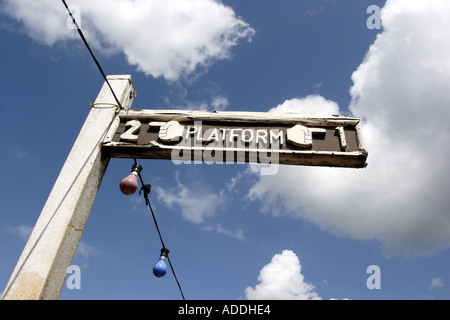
pixel 236 137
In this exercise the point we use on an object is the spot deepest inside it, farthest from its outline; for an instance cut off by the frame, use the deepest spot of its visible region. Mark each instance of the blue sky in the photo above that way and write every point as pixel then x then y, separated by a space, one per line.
pixel 319 227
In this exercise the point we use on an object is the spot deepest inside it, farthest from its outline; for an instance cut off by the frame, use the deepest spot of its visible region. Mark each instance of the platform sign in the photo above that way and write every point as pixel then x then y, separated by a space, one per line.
pixel 237 137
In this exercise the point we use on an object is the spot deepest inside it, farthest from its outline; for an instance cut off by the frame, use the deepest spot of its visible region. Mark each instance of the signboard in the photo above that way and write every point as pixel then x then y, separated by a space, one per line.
pixel 236 137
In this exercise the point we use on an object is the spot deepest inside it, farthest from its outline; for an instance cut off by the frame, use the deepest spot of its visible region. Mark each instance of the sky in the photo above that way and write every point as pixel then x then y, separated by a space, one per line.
pixel 382 232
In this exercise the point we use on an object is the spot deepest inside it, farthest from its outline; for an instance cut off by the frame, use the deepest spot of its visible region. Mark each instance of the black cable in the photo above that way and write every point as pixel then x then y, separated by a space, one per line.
pixel 90 51
pixel 146 189
pixel 168 258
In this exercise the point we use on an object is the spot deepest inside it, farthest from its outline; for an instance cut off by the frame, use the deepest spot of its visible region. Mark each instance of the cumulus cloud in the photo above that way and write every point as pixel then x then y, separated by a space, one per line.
pixel 168 38
pixel 312 104
pixel 282 279
pixel 401 92
pixel 195 202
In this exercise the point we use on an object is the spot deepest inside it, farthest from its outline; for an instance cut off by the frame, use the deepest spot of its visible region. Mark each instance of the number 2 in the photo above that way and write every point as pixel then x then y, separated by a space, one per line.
pixel 129 135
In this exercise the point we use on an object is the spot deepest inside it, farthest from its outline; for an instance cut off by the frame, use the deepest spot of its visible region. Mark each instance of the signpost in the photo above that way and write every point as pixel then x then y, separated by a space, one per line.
pixel 257 137
pixel 180 135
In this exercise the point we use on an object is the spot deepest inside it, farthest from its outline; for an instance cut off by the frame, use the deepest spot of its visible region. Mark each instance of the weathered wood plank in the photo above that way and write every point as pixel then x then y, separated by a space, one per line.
pixel 240 116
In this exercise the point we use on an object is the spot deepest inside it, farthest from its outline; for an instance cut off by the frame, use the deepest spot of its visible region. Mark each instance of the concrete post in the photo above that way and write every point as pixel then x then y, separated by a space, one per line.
pixel 42 267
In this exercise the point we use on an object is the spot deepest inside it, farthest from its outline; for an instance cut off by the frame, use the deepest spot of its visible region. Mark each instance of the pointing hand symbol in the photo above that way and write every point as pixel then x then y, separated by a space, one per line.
pixel 169 131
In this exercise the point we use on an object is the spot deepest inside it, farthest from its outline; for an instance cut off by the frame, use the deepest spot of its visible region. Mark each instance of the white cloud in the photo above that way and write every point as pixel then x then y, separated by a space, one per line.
pixel 282 279
pixel 85 250
pixel 21 154
pixel 21 231
pixel 195 202
pixel 401 92
pixel 84 253
pixel 44 21
pixel 216 103
pixel 312 104
pixel 436 282
pixel 169 38
pixel 219 103
pixel 238 233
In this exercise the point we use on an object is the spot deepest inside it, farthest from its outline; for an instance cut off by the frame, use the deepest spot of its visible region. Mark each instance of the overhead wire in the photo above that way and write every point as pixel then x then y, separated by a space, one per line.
pixel 145 187
pixel 90 51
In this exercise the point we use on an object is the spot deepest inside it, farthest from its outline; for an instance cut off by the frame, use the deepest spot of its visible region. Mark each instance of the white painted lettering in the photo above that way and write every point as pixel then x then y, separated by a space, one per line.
pixel 213 135
pixel 342 139
pixel 129 135
pixel 234 134
pixel 191 131
pixel 224 132
pixel 261 135
pixel 278 136
pixel 248 135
